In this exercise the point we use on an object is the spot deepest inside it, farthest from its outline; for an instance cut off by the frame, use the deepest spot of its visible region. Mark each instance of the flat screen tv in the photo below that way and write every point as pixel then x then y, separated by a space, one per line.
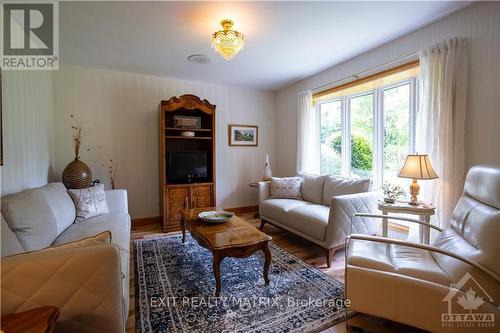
pixel 187 166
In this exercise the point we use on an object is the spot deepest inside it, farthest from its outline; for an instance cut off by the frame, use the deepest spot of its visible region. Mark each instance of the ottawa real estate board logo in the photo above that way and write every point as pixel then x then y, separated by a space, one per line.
pixel 30 35
pixel 468 308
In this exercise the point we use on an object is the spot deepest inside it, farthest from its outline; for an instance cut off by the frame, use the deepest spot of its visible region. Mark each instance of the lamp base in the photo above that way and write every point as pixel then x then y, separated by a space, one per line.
pixel 414 190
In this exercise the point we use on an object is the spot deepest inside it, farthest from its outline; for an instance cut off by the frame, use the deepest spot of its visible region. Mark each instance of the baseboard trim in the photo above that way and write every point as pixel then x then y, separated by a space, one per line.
pixel 146 221
pixel 143 221
pixel 244 209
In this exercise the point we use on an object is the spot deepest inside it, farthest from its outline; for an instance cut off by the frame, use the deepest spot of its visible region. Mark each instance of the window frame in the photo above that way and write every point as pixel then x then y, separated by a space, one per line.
pixel 340 99
pixel 378 125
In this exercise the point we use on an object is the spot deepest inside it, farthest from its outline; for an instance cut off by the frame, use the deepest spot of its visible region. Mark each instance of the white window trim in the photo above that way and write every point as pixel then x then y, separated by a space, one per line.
pixel 378 125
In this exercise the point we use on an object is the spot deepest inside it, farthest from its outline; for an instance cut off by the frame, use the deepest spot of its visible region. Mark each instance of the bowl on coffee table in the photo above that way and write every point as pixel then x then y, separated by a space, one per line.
pixel 215 216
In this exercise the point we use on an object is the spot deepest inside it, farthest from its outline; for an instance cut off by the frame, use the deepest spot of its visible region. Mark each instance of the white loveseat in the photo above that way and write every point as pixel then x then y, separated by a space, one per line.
pixel 324 215
pixel 89 285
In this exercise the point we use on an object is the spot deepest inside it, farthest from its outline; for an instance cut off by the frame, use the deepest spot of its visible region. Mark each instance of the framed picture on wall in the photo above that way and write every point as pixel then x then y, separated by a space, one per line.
pixel 244 135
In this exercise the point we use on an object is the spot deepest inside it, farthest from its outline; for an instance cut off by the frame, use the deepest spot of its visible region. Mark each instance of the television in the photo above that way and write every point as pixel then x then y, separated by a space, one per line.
pixel 187 166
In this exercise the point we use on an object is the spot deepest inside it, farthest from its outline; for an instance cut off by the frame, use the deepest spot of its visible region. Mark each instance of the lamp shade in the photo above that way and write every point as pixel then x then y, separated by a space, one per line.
pixel 417 167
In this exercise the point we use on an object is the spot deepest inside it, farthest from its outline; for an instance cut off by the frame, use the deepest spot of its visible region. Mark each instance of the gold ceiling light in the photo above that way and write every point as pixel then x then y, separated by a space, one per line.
pixel 227 42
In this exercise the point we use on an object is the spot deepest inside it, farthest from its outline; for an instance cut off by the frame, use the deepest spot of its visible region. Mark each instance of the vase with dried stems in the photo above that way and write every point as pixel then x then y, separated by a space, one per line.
pixel 268 174
pixel 111 172
pixel 77 174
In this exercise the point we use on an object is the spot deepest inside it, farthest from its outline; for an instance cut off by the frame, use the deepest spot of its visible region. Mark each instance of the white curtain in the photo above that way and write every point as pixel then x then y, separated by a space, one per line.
pixel 441 123
pixel 307 135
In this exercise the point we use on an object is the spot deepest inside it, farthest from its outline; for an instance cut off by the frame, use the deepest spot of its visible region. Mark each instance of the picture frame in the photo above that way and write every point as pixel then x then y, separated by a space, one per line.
pixel 187 122
pixel 243 135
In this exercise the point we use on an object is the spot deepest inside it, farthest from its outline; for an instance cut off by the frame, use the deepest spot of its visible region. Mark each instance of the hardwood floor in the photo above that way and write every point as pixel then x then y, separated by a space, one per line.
pixel 305 250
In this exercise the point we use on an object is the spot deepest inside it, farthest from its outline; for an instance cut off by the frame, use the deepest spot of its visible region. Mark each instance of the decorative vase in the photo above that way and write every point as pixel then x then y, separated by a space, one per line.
pixel 389 200
pixel 267 169
pixel 77 175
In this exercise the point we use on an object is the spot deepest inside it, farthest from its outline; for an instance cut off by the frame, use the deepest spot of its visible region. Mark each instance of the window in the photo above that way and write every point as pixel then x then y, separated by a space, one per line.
pixel 396 111
pixel 361 112
pixel 367 127
pixel 330 137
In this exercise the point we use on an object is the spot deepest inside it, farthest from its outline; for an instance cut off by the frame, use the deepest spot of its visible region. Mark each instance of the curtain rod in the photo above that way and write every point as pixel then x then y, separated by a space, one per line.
pixel 357 75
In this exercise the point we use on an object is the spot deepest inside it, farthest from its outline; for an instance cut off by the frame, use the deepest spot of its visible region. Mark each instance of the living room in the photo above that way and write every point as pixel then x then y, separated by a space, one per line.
pixel 250 166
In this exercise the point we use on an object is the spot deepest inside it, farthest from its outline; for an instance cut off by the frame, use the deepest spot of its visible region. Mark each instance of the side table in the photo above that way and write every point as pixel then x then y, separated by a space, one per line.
pixel 39 320
pixel 423 211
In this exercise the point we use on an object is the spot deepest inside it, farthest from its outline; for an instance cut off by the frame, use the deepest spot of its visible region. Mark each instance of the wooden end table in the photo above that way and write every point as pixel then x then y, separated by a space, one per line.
pixel 39 320
pixel 422 210
pixel 234 238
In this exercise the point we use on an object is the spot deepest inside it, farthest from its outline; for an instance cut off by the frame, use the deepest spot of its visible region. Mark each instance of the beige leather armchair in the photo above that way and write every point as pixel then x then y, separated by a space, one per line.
pixel 438 287
pixel 84 283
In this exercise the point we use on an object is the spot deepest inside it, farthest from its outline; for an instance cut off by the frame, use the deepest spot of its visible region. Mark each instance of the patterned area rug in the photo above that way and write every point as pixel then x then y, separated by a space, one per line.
pixel 175 291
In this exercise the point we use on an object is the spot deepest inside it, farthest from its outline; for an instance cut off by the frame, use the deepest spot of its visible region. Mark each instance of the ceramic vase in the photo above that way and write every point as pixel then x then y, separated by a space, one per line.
pixel 77 175
pixel 267 169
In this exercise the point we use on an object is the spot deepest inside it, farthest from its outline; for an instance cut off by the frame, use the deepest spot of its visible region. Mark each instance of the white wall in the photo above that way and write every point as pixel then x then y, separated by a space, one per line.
pixel 480 23
pixel 27 129
pixel 119 115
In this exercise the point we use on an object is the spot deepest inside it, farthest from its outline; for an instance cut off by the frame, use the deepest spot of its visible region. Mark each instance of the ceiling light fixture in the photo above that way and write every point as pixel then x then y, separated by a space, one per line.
pixel 227 42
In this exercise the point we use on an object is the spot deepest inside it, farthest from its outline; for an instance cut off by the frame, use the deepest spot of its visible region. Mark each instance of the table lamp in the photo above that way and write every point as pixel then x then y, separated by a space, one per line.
pixel 417 167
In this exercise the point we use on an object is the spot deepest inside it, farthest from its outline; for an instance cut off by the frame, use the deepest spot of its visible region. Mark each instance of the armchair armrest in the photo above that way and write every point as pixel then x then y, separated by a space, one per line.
pixel 117 201
pixel 264 191
pixel 425 247
pixel 400 218
pixel 84 283
pixel 340 221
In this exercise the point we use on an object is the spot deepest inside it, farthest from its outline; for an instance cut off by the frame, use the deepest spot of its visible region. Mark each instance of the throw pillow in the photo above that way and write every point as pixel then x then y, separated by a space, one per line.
pixel 89 202
pixel 286 188
pixel 336 185
pixel 99 239
pixel 312 187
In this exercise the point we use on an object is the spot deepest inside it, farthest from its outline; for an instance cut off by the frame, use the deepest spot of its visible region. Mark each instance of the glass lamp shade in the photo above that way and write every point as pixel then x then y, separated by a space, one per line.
pixel 227 42
pixel 417 167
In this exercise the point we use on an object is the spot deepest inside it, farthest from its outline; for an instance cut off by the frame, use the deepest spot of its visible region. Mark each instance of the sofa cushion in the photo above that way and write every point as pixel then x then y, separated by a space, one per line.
pixel 117 223
pixel 10 243
pixel 312 187
pixel 276 209
pixel 37 216
pixel 336 185
pixel 286 188
pixel 311 220
pixel 397 259
pixel 98 239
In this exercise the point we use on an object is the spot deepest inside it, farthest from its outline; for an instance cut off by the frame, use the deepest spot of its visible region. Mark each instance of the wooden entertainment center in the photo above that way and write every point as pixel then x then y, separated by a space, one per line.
pixel 187 157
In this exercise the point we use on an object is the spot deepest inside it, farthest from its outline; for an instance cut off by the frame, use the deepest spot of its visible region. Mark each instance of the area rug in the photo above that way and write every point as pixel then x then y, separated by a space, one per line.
pixel 175 291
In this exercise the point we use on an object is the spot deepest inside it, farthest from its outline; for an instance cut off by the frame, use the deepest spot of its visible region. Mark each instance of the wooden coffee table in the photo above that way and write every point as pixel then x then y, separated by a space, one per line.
pixel 234 238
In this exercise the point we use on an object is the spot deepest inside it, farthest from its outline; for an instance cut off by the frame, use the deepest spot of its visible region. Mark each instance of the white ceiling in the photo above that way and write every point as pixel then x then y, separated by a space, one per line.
pixel 285 41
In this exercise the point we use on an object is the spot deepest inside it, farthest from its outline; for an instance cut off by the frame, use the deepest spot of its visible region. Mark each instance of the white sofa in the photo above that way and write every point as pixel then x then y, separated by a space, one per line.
pixel 89 285
pixel 421 285
pixel 324 215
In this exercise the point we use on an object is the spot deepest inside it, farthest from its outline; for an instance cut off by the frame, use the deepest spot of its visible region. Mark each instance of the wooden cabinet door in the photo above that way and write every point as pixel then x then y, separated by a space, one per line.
pixel 201 196
pixel 178 199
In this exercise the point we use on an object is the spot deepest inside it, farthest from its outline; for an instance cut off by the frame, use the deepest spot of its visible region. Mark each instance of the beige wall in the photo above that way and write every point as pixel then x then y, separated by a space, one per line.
pixel 480 23
pixel 118 112
pixel 27 129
